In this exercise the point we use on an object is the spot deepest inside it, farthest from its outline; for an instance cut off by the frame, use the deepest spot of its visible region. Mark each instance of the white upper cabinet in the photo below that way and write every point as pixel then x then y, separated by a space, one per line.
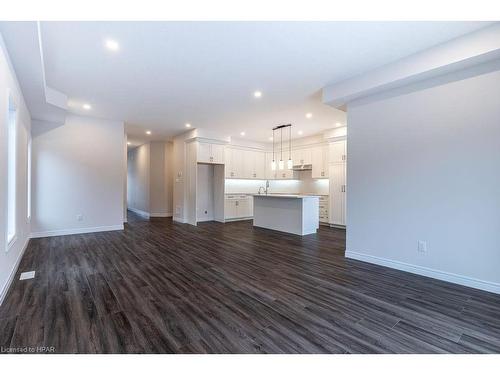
pixel 217 153
pixel 248 164
pixel 338 152
pixel 204 153
pixel 320 162
pixel 301 156
pixel 210 153
pixel 260 167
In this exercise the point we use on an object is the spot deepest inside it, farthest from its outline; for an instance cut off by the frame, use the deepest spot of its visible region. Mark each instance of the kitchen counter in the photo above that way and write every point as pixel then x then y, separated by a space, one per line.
pixel 297 214
pixel 296 196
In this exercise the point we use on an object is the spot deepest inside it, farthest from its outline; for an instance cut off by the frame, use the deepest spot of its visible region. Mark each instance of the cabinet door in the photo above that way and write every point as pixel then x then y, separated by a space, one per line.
pixel 247 163
pixel 230 208
pixel 236 163
pixel 228 169
pixel 243 208
pixel 337 152
pixel 337 194
pixel 297 156
pixel 320 162
pixel 307 155
pixel 217 153
pixel 260 167
pixel 204 153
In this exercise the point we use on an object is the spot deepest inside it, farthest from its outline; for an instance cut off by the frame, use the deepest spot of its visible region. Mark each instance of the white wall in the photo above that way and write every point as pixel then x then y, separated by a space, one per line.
pixel 425 166
pixel 161 179
pixel 150 179
pixel 9 260
pixel 77 170
pixel 138 178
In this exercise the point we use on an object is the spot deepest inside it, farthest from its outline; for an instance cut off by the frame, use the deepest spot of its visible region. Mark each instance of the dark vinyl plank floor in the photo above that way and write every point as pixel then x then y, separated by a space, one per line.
pixel 163 287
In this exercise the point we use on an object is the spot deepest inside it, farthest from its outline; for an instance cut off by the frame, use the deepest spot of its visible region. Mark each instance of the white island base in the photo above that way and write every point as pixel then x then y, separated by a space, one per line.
pixel 297 214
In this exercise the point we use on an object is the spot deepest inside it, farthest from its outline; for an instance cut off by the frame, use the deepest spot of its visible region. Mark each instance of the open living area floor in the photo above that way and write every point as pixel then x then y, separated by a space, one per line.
pixel 163 287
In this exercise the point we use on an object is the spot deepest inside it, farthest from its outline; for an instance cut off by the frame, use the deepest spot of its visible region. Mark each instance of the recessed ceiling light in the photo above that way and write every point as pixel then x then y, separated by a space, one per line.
pixel 188 125
pixel 309 115
pixel 148 132
pixel 300 132
pixel 87 106
pixel 257 94
pixel 338 124
pixel 128 143
pixel 112 45
pixel 242 134
pixel 271 138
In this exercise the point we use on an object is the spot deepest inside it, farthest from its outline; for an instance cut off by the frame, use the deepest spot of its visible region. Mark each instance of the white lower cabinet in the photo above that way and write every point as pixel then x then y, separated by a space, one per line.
pixel 238 207
pixel 324 207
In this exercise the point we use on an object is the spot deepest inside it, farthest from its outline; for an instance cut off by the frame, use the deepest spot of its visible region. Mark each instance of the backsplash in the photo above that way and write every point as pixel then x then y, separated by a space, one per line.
pixel 304 185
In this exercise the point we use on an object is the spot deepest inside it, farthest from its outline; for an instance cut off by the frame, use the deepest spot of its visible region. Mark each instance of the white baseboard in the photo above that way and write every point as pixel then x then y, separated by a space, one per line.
pixel 6 287
pixel 140 212
pixel 429 272
pixel 160 214
pixel 238 219
pixel 179 219
pixel 65 232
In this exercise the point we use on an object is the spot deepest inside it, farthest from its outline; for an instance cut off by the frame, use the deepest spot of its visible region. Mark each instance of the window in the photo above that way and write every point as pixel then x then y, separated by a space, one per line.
pixel 28 177
pixel 11 173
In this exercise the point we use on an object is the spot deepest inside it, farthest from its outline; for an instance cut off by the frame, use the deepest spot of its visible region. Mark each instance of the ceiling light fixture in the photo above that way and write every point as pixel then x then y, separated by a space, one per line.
pixel 87 107
pixel 338 124
pixel 281 163
pixel 188 125
pixel 309 115
pixel 271 138
pixel 148 132
pixel 242 134
pixel 300 132
pixel 128 143
pixel 257 94
pixel 112 45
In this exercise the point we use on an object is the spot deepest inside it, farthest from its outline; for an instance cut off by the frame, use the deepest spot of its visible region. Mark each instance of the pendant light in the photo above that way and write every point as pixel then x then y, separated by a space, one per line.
pixel 273 163
pixel 281 164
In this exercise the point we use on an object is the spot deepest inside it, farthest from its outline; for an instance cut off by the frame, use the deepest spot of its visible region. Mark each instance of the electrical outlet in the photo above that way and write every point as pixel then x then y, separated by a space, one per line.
pixel 422 246
pixel 79 217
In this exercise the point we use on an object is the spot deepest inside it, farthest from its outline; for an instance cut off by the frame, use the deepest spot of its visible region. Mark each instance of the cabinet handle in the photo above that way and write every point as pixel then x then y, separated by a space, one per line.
pixel 322 174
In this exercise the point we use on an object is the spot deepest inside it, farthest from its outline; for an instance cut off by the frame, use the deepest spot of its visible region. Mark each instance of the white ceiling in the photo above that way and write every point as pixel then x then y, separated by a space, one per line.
pixel 168 73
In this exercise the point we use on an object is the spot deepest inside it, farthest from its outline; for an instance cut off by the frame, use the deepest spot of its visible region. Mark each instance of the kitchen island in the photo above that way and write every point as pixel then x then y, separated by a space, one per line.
pixel 297 214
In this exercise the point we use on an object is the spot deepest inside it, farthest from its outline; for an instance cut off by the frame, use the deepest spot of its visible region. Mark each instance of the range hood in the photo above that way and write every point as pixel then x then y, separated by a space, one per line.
pixel 302 167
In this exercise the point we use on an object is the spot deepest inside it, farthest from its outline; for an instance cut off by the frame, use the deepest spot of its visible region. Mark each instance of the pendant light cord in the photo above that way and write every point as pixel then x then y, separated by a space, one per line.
pixel 281 142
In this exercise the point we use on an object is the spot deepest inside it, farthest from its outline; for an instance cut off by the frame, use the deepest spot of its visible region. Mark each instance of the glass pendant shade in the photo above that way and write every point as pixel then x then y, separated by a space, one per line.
pixel 281 165
pixel 289 164
pixel 273 165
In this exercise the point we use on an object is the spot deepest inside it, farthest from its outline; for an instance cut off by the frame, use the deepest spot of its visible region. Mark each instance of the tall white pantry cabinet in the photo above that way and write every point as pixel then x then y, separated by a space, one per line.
pixel 337 172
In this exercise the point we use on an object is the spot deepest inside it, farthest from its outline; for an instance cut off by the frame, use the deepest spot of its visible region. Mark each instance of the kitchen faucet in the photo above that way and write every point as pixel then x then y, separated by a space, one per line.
pixel 266 188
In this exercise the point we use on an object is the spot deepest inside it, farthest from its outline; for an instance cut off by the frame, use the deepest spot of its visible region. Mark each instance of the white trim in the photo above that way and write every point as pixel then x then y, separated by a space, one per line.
pixel 429 272
pixel 139 212
pixel 65 232
pixel 13 272
pixel 228 220
pixel 160 214
pixel 179 219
